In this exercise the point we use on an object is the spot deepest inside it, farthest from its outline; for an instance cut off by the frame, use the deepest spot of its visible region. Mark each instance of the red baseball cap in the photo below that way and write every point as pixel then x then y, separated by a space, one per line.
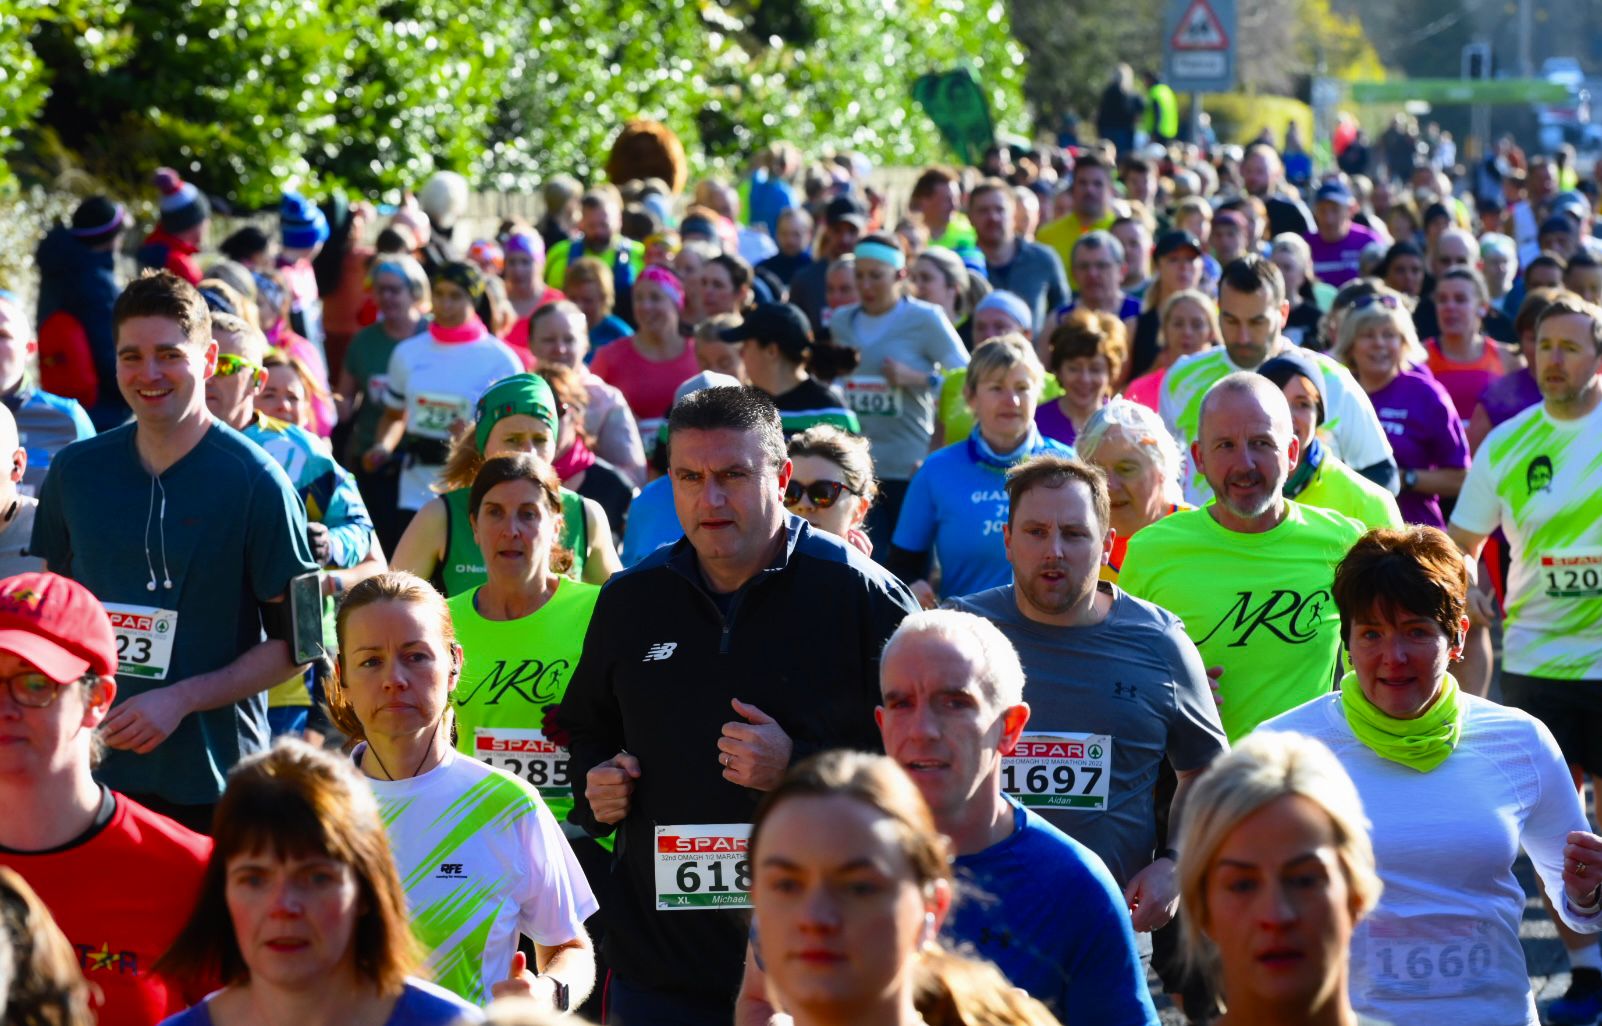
pixel 57 625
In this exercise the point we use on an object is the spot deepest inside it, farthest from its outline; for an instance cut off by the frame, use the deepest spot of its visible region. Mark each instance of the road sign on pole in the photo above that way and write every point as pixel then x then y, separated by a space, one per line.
pixel 1199 48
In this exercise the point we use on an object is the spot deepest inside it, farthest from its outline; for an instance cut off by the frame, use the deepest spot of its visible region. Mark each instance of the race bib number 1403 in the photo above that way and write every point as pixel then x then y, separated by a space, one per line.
pixel 703 865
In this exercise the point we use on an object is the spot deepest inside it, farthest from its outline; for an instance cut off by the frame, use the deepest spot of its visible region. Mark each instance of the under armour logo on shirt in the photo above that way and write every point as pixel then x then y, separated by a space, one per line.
pixel 659 651
pixel 1121 690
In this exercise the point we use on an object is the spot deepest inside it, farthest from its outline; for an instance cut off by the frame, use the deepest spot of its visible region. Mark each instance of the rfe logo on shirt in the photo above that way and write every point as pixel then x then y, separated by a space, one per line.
pixel 659 651
pixel 449 871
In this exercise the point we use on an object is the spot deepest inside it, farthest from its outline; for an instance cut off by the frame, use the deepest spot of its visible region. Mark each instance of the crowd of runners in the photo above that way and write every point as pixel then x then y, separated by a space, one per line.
pixel 1119 579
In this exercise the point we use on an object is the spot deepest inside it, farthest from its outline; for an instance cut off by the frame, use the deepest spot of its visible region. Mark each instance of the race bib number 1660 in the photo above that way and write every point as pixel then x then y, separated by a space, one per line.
pixel 703 865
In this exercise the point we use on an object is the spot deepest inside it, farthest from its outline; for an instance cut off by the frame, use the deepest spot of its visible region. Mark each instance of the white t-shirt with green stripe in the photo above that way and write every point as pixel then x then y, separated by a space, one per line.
pixel 1540 481
pixel 1351 431
pixel 482 860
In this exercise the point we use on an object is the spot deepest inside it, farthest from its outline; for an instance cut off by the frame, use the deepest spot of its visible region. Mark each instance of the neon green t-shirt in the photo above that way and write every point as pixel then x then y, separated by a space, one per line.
pixel 1340 488
pixel 959 234
pixel 1537 479
pixel 1258 605
pixel 561 257
pixel 512 671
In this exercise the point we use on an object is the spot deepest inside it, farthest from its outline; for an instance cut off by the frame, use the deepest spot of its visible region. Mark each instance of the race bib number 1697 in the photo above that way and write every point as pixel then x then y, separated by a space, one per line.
pixel 1059 770
pixel 703 865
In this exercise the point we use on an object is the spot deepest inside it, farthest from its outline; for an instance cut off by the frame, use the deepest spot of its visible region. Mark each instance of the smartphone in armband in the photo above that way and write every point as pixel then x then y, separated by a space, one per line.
pixel 306 616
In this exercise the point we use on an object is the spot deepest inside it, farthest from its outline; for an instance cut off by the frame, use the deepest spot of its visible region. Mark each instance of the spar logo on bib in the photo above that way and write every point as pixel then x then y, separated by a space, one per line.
pixel 1286 614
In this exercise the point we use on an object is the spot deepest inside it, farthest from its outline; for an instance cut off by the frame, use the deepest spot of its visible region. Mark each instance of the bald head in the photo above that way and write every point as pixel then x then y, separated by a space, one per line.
pixel 1246 447
pixel 1455 248
pixel 1247 387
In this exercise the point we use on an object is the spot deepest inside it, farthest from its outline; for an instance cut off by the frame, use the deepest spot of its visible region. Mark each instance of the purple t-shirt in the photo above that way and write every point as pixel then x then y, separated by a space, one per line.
pixel 1336 263
pixel 1425 433
pixel 1510 395
pixel 1053 423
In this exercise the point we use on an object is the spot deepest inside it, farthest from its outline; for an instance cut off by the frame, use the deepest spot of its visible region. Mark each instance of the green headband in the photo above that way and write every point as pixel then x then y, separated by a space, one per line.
pixel 527 394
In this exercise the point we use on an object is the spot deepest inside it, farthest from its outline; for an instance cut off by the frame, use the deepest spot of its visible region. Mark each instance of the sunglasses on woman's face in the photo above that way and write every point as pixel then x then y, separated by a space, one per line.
pixel 822 494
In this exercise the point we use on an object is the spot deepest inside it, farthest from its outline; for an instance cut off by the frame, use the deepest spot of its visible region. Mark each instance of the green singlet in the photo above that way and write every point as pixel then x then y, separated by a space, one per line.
pixel 463 566
pixel 513 670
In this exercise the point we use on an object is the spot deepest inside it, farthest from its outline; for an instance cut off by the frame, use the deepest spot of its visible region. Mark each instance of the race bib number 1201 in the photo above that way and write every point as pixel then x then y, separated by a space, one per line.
pixel 1059 771
pixel 1572 573
pixel 703 865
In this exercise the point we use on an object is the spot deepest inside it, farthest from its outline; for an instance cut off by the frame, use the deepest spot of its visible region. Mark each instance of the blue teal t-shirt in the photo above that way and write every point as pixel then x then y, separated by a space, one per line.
pixel 957 506
pixel 652 522
pixel 225 526
pixel 1045 910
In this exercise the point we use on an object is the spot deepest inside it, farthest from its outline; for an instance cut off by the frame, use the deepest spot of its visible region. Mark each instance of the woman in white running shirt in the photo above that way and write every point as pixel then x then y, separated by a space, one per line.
pixel 480 856
pixel 1454 785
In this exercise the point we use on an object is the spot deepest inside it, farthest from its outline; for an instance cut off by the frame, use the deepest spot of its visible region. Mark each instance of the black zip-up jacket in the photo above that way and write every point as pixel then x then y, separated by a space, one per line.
pixel 801 642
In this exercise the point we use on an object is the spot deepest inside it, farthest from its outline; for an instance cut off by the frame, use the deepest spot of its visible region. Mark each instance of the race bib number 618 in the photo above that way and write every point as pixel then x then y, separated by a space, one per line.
pixel 704 865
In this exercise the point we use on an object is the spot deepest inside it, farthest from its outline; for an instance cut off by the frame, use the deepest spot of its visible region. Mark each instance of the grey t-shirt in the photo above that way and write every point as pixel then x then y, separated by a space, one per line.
pixel 1135 678
pixel 1036 275
pixel 898 422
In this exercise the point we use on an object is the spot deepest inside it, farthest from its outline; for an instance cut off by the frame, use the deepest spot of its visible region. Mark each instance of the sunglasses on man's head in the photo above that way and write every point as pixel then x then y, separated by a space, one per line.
pixel 228 365
pixel 822 494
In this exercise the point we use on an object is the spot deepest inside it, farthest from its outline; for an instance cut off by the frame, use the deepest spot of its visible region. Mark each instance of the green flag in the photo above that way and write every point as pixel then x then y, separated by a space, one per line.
pixel 955 102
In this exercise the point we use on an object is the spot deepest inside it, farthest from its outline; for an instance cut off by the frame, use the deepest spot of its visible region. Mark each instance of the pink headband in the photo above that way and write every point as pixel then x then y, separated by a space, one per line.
pixel 668 281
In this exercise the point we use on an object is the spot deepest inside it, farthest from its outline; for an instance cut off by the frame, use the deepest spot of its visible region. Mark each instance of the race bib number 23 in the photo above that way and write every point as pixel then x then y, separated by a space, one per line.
pixel 703 865
pixel 144 639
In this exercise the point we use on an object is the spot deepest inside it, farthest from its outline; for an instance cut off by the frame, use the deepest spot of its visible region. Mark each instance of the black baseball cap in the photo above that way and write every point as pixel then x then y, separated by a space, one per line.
pixel 782 324
pixel 1334 191
pixel 846 210
pixel 1173 241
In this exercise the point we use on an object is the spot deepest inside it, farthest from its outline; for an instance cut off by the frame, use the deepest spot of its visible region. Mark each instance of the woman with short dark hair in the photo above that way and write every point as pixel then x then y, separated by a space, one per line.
pixel 1442 945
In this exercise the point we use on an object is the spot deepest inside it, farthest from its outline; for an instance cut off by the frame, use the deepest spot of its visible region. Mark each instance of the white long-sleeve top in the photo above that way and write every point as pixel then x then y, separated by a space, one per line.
pixel 1443 944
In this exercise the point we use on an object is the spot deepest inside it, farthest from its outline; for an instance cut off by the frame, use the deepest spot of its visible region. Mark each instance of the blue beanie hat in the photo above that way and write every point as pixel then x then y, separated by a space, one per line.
pixel 302 225
pixel 1009 303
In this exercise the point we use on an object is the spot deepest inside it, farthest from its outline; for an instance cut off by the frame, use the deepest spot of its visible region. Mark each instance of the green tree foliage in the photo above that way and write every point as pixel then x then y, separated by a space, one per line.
pixel 246 97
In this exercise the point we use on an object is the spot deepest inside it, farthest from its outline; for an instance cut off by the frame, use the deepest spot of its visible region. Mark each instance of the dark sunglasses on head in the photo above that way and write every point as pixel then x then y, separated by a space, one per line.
pixel 821 494
pixel 1363 302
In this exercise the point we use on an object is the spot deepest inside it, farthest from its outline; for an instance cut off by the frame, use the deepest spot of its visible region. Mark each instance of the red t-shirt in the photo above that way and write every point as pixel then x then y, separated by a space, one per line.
pixel 1465 382
pixel 647 385
pixel 121 897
